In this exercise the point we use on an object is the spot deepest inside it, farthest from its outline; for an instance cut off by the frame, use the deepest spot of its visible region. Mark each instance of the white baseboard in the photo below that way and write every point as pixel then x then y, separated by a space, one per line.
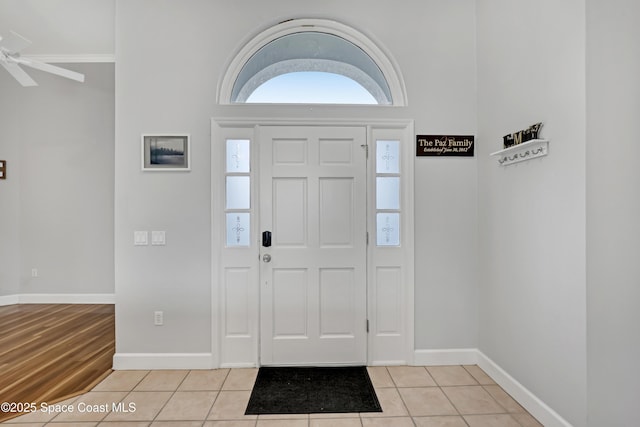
pixel 462 356
pixel 536 407
pixel 145 361
pixel 9 300
pixel 58 299
pixel 471 356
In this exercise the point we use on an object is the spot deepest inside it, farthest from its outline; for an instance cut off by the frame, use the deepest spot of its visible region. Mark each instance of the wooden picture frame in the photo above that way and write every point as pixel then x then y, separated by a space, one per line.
pixel 3 169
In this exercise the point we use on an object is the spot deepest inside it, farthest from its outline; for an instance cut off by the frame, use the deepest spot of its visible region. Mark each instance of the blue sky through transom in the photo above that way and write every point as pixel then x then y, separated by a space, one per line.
pixel 311 87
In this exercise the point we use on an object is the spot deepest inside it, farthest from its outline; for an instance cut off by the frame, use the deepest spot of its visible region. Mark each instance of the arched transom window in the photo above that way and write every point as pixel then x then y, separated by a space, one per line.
pixel 312 61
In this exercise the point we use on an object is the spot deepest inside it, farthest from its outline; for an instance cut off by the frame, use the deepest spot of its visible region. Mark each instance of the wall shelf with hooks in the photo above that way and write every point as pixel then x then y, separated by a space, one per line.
pixel 521 152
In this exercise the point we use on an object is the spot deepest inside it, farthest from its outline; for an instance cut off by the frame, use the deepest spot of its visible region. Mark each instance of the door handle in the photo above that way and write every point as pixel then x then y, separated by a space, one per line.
pixel 266 258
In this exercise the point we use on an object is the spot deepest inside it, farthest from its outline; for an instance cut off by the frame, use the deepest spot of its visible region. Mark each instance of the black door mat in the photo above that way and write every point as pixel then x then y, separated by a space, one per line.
pixel 312 390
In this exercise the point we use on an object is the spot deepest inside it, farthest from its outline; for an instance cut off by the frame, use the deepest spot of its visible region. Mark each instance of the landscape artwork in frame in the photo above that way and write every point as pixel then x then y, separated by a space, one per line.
pixel 165 153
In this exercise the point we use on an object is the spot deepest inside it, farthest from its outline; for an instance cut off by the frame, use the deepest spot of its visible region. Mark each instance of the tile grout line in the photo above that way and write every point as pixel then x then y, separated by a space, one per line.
pixel 405 404
pixel 131 391
pixel 102 420
pixel 148 391
pixel 226 377
pixel 155 418
pixel 501 405
pixel 128 393
pixel 402 399
pixel 168 400
pixel 218 393
pixel 206 417
pixel 450 401
pixel 473 376
pixel 395 387
pixel 56 416
pixel 491 396
pixel 52 422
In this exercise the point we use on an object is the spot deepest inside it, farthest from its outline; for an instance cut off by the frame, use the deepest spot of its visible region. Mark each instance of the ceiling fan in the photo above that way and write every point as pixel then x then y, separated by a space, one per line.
pixel 11 60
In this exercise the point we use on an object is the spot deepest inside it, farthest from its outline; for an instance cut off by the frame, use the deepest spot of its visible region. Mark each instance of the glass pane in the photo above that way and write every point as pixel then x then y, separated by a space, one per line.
pixel 238 229
pixel 238 155
pixel 388 192
pixel 238 192
pixel 388 229
pixel 311 87
pixel 276 72
pixel 387 156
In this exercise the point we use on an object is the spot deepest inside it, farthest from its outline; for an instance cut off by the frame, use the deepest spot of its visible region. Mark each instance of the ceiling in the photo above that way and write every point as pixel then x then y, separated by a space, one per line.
pixel 71 28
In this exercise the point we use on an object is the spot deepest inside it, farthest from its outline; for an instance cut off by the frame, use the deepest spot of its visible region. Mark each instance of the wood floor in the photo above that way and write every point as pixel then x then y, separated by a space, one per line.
pixel 49 352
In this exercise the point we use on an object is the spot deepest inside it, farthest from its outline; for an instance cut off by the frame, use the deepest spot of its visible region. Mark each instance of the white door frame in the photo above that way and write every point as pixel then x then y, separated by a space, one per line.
pixel 235 278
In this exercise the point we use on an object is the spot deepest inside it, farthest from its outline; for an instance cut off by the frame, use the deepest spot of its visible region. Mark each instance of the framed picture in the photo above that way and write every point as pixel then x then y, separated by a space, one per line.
pixel 3 169
pixel 163 152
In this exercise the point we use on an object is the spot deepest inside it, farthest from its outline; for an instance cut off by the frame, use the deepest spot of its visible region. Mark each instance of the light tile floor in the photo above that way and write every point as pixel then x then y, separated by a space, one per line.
pixel 440 396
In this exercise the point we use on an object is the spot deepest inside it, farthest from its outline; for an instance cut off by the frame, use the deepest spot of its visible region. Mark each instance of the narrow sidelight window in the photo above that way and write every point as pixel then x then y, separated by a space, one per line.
pixel 238 193
pixel 388 182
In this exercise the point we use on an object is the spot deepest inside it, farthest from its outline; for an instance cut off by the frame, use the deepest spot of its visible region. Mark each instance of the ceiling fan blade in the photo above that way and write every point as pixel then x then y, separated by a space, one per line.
pixel 43 66
pixel 19 74
pixel 14 42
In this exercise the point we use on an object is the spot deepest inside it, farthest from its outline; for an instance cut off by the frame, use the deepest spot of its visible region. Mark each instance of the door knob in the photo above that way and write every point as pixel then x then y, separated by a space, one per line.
pixel 266 258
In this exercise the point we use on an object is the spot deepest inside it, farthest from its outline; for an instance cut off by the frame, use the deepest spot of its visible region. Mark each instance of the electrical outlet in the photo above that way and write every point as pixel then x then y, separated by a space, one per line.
pixel 158 318
pixel 34 272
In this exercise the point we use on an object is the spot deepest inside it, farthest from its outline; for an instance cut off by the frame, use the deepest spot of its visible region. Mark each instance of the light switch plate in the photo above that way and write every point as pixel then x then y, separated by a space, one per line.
pixel 158 318
pixel 158 238
pixel 140 238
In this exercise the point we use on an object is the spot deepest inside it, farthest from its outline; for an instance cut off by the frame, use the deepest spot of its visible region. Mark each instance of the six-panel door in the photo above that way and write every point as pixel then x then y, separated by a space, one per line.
pixel 313 276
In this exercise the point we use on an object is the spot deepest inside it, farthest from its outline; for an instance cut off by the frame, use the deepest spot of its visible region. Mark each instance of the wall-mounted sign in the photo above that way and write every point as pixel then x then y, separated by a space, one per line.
pixel 3 169
pixel 445 145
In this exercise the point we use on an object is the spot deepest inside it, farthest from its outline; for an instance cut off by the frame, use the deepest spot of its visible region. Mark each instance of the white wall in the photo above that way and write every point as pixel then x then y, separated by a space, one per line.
pixel 440 65
pixel 9 195
pixel 613 209
pixel 61 27
pixel 531 68
pixel 534 256
pixel 170 59
pixel 57 213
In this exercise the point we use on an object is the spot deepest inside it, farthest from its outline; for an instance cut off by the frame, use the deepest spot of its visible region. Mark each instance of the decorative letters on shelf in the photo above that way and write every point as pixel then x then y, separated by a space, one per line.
pixel 521 136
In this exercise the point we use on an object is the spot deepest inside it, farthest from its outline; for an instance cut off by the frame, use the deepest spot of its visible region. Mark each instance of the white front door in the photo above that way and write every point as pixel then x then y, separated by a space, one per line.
pixel 313 288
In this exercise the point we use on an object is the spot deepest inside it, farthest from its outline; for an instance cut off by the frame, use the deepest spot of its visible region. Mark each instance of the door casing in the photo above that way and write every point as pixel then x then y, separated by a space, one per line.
pixel 235 272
